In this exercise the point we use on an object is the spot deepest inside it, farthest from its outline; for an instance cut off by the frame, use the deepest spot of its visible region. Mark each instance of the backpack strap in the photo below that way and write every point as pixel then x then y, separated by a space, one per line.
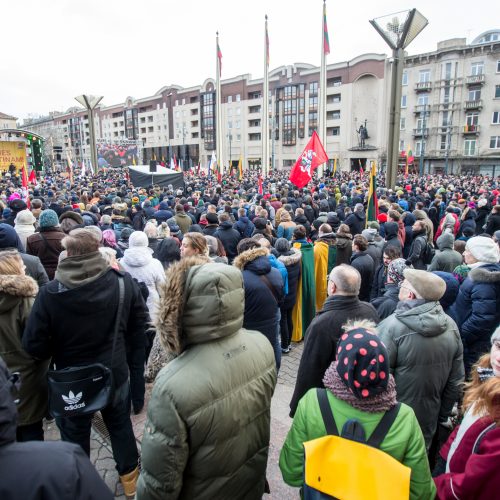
pixel 326 412
pixel 383 426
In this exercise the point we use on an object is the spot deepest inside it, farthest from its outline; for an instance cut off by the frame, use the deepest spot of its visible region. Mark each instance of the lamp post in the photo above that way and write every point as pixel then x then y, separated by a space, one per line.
pixel 90 102
pixel 398 30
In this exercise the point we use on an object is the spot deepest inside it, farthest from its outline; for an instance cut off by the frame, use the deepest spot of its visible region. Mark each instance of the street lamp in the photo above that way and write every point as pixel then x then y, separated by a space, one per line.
pixel 398 30
pixel 90 102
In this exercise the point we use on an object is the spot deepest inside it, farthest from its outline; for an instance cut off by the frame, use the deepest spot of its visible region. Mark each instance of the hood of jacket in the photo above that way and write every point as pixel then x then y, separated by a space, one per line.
pixel 73 272
pixel 446 240
pixel 428 319
pixel 254 260
pixel 201 301
pixel 360 215
pixel 489 273
pixel 138 256
pixel 292 258
pixel 391 230
pixel 15 287
pixel 409 219
pixel 226 225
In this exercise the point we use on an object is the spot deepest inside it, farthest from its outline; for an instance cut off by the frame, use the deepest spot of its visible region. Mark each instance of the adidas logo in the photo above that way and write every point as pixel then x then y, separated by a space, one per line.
pixel 72 401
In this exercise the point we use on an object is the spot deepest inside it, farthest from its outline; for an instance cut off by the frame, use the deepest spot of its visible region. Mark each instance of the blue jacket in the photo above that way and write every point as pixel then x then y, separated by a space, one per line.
pixel 244 226
pixel 282 269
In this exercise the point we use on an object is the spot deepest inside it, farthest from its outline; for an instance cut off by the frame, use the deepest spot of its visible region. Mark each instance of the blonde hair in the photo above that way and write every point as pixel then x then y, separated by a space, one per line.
pixel 11 262
pixel 197 242
pixel 352 324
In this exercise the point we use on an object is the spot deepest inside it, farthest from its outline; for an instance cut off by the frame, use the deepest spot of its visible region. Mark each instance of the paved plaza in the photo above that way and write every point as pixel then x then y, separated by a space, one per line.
pixel 101 455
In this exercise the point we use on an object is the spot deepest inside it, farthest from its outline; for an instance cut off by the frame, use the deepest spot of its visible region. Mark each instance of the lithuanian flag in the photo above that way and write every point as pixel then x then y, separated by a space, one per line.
pixel 372 206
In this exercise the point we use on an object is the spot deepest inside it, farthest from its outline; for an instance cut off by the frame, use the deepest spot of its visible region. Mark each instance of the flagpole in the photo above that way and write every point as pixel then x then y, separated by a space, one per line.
pixel 218 109
pixel 322 84
pixel 265 107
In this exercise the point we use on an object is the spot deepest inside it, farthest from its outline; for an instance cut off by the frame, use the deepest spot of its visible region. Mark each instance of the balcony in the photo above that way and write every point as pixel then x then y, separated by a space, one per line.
pixel 478 104
pixel 422 108
pixel 423 87
pixel 470 130
pixel 420 132
pixel 475 80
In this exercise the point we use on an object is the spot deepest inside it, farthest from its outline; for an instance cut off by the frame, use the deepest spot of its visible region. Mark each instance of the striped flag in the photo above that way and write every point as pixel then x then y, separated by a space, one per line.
pixel 372 206
pixel 219 57
pixel 326 40
pixel 267 45
pixel 335 166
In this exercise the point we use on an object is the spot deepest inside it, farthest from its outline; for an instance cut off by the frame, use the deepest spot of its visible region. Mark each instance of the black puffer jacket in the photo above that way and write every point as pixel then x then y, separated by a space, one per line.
pixel 364 264
pixel 356 222
pixel 229 238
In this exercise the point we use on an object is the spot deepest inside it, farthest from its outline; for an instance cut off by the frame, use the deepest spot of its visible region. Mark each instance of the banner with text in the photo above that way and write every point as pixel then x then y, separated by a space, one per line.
pixel 12 153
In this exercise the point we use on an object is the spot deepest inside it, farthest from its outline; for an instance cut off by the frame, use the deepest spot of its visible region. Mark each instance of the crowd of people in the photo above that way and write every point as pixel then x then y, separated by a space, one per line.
pixel 203 290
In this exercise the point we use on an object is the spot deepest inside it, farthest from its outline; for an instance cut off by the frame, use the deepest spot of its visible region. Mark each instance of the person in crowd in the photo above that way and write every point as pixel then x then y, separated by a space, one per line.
pixel 408 220
pixel 428 224
pixel 212 224
pixel 467 468
pixel 425 351
pixel 391 237
pixel 386 303
pixel 394 216
pixel 374 249
pixel 263 242
pixel 325 330
pixel 182 219
pixel 58 328
pixel 449 224
pixel 194 244
pixel 305 306
pixel 291 258
pixel 380 276
pixel 467 222
pixel 286 226
pixel 32 470
pixel 228 236
pixel 301 219
pixel 343 243
pixel 263 292
pixel 151 231
pixel 46 244
pixel 477 308
pixel 493 221
pixel 325 256
pixel 244 225
pixel 362 261
pixel 24 225
pixel 16 205
pixel 353 395
pixel 451 292
pixel 17 294
pixel 123 242
pixel 168 251
pixel 418 249
pixel 109 241
pixel 216 251
pixel 106 222
pixel 446 259
pixel 70 220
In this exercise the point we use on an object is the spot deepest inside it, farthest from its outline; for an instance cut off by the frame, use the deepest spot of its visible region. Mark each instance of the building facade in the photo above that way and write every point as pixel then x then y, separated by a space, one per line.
pixel 7 121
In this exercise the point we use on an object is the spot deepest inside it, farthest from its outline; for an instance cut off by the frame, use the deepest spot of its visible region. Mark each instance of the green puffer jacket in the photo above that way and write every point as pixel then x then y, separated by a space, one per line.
pixel 17 295
pixel 404 441
pixel 426 359
pixel 208 426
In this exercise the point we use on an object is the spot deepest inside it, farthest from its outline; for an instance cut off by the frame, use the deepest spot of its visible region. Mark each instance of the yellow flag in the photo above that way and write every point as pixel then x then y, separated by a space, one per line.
pixel 240 169
pixel 335 165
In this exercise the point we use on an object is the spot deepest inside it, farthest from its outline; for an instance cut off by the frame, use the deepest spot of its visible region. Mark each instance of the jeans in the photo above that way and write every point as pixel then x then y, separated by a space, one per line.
pixel 117 419
pixel 30 432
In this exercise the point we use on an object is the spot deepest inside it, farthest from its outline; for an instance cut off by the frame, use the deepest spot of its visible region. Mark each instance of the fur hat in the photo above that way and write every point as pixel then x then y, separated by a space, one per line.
pixel 48 218
pixel 71 215
pixel 483 249
pixel 429 286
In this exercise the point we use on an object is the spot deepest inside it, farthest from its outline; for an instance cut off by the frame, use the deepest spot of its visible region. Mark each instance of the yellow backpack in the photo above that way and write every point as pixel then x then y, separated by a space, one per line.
pixel 349 467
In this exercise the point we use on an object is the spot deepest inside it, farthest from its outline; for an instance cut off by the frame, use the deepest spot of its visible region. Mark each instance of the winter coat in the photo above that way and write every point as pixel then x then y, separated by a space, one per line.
pixel 46 245
pixel 320 347
pixel 375 252
pixel 477 310
pixel 34 269
pixel 208 423
pixel 302 220
pixel 482 215
pixel 140 264
pixel 324 260
pixel 24 230
pixel 210 229
pixel 387 303
pixel 285 230
pixel 446 259
pixel 183 221
pixel 468 223
pixel 356 222
pixel 416 256
pixel 451 292
pixel 344 248
pixel 493 224
pixel 73 317
pixel 292 264
pixel 471 475
pixel 261 304
pixel 404 441
pixel 37 470
pixel 364 264
pixel 17 294
pixel 391 236
pixel 378 284
pixel 426 359
pixel 244 226
pixel 229 237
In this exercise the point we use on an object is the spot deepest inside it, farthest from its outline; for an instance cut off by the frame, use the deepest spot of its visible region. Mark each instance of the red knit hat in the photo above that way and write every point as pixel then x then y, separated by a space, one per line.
pixel 382 218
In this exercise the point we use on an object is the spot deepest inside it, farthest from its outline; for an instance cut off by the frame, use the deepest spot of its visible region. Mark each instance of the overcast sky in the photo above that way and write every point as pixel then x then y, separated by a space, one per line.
pixel 54 50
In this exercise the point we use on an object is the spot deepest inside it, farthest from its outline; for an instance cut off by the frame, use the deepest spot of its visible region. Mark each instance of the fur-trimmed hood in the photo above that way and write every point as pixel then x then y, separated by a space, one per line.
pixel 14 288
pixel 250 255
pixel 201 301
pixel 292 259
pixel 486 274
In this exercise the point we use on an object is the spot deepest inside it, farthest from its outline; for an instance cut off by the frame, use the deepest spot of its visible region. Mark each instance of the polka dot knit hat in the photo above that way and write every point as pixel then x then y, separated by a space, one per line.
pixel 362 363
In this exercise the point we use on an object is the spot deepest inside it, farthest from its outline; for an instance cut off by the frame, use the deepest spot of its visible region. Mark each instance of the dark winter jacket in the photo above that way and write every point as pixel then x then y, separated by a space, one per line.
pixel 408 222
pixel 364 264
pixel 60 327
pixel 416 256
pixel 343 243
pixel 493 224
pixel 320 347
pixel 446 259
pixel 378 283
pixel 302 220
pixel 386 304
pixel 451 292
pixel 244 226
pixel 426 359
pixel 391 236
pixel 46 245
pixel 39 470
pixel 292 261
pixel 468 223
pixel 35 269
pixel 229 237
pixel 375 252
pixel 482 214
pixel 356 222
pixel 210 229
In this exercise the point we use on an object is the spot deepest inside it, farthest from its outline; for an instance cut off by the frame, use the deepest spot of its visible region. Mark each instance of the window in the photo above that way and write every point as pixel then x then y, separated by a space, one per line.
pixel 495 120
pixel 447 71
pixel 229 98
pixel 404 80
pixel 470 147
pixel 475 94
pixel 333 115
pixel 495 142
pixel 472 119
pixel 424 76
pixel 423 99
pixel 402 123
pixel 229 124
pixel 313 88
pixel 238 98
pixel 237 124
pixel 151 129
pixel 442 142
pixel 334 82
pixel 402 145
pixel 238 137
pixel 254 109
pixel 333 131
pixel 254 137
pixel 403 101
pixel 497 91
pixel 333 99
pixel 498 66
pixel 420 124
pixel 476 68
pixel 418 148
pixel 229 112
pixel 238 111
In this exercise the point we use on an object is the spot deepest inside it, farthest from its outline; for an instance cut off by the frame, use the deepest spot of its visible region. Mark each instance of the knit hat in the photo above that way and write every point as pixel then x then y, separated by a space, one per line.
pixel 369 234
pixel 395 271
pixel 17 205
pixel 363 363
pixel 483 249
pixel 125 233
pixel 138 239
pixel 382 218
pixel 48 218
pixel 282 245
pixel 212 218
pixel 460 272
pixel 9 238
pixel 429 286
pixel 25 217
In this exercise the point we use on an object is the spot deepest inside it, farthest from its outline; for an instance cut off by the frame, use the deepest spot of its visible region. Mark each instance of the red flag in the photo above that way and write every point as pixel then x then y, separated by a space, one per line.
pixel 312 156
pixel 32 177
pixel 361 171
pixel 24 181
pixel 261 190
pixel 326 40
pixel 219 57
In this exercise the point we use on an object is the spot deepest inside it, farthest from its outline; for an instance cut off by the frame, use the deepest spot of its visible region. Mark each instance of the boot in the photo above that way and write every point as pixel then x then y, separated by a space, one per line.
pixel 129 482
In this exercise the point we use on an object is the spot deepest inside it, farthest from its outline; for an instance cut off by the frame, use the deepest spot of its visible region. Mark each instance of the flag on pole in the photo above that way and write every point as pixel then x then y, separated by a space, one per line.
pixel 326 40
pixel 335 166
pixel 219 57
pixel 260 190
pixel 372 206
pixel 32 177
pixel 24 181
pixel 240 169
pixel 213 163
pixel 361 171
pixel 313 155
pixel 82 172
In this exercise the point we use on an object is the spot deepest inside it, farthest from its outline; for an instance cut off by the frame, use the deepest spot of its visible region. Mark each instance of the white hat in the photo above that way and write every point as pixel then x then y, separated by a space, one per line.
pixel 483 249
pixel 138 239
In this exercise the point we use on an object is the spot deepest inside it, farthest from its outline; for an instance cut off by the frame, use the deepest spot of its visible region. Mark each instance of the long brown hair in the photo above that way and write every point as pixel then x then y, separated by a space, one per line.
pixel 11 263
pixel 485 396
